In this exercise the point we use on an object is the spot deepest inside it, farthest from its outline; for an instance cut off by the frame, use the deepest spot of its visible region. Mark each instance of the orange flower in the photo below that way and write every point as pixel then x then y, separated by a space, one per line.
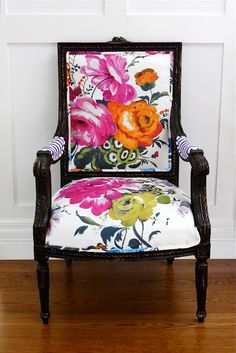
pixel 146 79
pixel 137 123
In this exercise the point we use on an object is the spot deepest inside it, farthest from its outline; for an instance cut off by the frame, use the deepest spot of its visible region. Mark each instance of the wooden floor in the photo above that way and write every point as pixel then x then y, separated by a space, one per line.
pixel 111 307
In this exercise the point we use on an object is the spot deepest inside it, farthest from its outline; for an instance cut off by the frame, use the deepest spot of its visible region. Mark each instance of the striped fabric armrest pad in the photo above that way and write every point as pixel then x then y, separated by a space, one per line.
pixel 55 147
pixel 184 147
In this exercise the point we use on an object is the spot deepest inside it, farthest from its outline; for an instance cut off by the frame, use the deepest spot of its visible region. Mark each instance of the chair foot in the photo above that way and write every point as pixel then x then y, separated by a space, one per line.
pixel 201 315
pixel 45 317
pixel 43 285
pixel 170 261
pixel 201 287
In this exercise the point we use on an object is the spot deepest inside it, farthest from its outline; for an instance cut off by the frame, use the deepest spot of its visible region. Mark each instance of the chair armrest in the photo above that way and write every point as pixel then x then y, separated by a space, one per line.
pixel 185 149
pixel 55 148
pixel 199 163
pixel 42 164
pixel 192 154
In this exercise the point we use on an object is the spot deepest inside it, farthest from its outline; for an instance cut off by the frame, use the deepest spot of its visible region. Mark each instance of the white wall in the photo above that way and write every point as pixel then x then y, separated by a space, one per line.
pixel 29 31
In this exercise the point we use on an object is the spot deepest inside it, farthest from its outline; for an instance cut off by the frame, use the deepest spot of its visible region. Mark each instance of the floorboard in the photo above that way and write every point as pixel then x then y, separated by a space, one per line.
pixel 117 307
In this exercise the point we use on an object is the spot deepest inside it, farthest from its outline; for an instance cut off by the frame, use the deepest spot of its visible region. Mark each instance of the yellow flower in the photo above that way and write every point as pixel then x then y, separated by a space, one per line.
pixel 129 208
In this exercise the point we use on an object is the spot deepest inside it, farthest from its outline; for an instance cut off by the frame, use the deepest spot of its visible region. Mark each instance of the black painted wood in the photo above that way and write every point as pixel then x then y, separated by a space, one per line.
pixel 201 287
pixel 43 285
pixel 170 261
pixel 199 171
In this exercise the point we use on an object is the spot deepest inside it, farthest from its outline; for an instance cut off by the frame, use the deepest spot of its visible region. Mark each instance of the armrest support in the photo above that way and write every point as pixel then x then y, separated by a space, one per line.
pixel 199 171
pixel 43 196
pixel 45 157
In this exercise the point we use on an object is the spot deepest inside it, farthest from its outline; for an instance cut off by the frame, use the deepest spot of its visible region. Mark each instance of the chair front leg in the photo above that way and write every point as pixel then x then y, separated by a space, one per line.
pixel 201 287
pixel 43 285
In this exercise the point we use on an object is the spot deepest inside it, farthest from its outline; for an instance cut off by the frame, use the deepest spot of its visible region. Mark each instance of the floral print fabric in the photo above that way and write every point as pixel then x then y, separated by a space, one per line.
pixel 109 214
pixel 118 107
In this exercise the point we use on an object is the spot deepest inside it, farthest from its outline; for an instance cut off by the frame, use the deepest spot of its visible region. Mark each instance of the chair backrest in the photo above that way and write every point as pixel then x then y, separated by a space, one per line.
pixel 115 104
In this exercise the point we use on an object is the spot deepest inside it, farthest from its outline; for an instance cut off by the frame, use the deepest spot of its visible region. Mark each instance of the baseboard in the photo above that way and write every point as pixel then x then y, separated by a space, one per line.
pixel 16 240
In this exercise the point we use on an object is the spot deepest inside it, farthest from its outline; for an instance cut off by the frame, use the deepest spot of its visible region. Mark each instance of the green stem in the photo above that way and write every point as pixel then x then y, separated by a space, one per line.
pixel 140 237
pixel 151 96
pixel 74 152
pixel 99 84
pixel 123 242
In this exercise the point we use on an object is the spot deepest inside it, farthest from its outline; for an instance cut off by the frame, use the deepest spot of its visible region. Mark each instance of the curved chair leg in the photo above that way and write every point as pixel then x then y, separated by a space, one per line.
pixel 43 285
pixel 201 287
pixel 170 261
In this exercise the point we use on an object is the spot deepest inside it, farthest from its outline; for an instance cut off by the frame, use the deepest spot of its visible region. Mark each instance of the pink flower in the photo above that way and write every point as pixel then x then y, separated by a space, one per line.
pixel 91 122
pixel 97 193
pixel 152 52
pixel 163 52
pixel 110 76
pixel 74 92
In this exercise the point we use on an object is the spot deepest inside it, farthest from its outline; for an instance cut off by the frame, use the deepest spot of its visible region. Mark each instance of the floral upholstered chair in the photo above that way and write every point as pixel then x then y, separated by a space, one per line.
pixel 119 140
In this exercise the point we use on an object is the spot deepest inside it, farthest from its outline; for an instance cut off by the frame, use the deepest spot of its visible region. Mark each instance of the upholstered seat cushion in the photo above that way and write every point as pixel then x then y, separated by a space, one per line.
pixel 111 214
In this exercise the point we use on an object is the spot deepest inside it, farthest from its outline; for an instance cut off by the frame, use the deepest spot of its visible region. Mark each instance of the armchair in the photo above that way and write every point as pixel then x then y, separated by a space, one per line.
pixel 119 139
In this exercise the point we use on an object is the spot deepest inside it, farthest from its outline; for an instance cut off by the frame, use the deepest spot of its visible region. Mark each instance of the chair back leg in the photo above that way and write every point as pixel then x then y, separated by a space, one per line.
pixel 170 261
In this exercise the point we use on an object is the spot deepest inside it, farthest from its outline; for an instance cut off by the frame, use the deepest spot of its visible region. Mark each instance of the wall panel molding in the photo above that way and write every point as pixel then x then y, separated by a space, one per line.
pixel 176 7
pixel 54 7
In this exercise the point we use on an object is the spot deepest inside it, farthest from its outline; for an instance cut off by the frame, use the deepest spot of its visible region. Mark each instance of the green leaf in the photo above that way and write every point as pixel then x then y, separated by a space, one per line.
pixel 80 230
pixel 159 142
pixel 108 232
pixel 158 95
pixel 72 147
pixel 135 165
pixel 87 220
pixel 145 98
pixel 164 122
pixel 155 232
pixel 163 199
pixel 121 166
pixel 83 157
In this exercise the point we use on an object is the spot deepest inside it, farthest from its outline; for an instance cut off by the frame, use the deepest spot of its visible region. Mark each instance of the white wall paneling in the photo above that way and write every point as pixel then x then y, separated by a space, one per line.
pixel 29 31
pixel 33 78
pixel 176 7
pixel 43 7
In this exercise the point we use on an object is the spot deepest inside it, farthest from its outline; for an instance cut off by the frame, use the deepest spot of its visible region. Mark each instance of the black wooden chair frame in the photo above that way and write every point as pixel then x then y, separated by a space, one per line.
pixel 199 171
